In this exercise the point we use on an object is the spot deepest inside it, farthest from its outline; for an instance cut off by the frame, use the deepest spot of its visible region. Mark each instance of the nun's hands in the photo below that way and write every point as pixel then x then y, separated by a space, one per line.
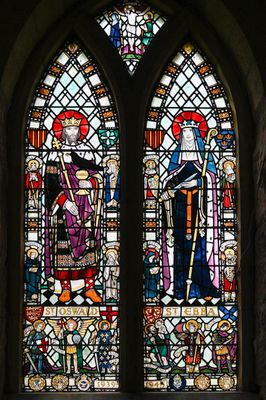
pixel 189 184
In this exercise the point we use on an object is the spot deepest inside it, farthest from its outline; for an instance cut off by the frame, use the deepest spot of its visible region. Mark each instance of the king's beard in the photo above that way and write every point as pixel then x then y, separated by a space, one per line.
pixel 72 140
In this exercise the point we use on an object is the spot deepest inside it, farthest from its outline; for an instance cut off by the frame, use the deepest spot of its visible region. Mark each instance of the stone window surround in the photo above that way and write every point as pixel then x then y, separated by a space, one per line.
pixel 122 84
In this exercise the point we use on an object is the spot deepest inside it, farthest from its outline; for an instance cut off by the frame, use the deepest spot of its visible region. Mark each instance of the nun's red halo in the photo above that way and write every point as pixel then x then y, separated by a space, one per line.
pixel 189 116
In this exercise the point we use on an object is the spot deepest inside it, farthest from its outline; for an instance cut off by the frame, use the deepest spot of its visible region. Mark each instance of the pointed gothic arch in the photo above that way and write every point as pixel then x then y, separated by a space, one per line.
pixel 190 213
pixel 72 203
pixel 144 80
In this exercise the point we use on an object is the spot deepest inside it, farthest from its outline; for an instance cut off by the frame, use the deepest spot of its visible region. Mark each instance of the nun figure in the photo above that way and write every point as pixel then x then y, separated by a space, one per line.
pixel 190 201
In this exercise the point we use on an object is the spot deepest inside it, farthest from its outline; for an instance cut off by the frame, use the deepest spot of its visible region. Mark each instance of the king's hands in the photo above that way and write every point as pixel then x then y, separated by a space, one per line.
pixel 71 207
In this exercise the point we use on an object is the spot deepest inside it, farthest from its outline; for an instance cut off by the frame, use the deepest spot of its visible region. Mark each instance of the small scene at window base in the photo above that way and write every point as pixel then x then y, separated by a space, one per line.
pixel 72 206
pixel 131 26
pixel 190 231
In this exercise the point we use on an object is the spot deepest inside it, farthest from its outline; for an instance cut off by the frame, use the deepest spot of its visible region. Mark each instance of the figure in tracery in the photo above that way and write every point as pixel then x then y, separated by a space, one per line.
pixel 130 15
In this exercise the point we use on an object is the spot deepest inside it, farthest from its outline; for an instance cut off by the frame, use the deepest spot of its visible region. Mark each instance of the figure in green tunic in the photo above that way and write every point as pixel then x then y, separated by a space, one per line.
pixel 158 342
pixel 147 28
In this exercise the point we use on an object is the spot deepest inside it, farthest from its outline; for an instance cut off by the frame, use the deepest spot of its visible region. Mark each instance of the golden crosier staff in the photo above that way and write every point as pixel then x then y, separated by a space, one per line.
pixel 57 145
pixel 211 133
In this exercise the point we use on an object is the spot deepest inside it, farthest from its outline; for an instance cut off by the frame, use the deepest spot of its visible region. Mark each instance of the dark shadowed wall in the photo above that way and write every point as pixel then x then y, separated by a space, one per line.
pixel 233 35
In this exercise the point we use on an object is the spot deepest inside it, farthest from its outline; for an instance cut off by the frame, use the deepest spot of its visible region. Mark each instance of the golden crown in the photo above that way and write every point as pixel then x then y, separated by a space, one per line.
pixel 189 124
pixel 71 122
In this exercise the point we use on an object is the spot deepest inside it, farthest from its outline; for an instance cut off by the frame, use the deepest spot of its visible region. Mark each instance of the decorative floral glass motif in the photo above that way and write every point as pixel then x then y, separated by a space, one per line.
pixel 131 26
pixel 71 269
pixel 190 231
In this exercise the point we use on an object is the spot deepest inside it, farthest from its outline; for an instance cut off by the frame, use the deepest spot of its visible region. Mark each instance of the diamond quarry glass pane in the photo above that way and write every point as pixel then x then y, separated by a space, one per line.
pixel 190 231
pixel 131 26
pixel 72 216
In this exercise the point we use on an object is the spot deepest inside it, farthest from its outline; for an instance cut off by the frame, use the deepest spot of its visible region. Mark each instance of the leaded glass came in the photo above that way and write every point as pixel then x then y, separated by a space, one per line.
pixel 190 231
pixel 72 194
pixel 131 27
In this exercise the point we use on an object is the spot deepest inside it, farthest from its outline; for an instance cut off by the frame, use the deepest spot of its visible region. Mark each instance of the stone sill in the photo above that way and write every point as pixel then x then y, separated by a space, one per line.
pixel 129 396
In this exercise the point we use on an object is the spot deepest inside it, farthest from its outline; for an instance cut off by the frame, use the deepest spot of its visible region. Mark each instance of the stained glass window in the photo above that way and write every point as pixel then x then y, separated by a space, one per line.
pixel 131 26
pixel 190 231
pixel 71 267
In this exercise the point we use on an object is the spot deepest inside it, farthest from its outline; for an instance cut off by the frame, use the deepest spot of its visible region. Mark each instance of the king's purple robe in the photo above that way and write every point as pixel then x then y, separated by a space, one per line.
pixel 70 245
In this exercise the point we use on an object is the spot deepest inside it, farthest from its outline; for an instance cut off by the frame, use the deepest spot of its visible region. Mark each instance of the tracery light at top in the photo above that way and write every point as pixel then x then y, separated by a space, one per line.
pixel 131 26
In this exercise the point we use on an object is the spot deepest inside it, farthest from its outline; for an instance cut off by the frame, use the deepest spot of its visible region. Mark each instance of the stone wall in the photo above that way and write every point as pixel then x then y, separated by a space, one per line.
pixel 3 244
pixel 260 240
pixel 241 28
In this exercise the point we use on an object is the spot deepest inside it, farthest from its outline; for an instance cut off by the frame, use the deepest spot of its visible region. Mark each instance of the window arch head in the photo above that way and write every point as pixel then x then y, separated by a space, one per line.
pixel 72 198
pixel 190 235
